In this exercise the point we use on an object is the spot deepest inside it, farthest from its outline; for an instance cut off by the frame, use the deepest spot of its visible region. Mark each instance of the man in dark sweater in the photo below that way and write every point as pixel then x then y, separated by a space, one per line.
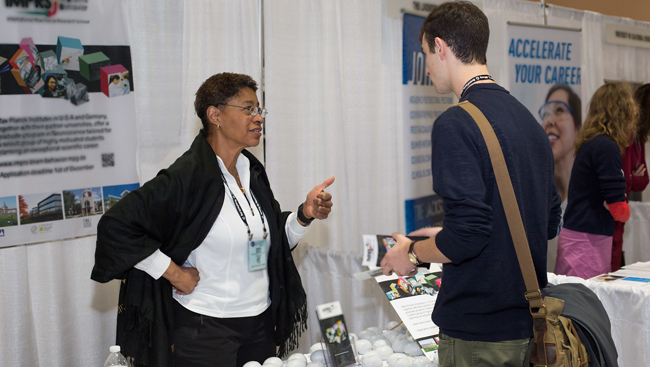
pixel 481 310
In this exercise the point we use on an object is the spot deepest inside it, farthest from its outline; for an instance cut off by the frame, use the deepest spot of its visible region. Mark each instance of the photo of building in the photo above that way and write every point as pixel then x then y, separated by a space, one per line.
pixel 113 194
pixel 8 211
pixel 37 208
pixel 82 202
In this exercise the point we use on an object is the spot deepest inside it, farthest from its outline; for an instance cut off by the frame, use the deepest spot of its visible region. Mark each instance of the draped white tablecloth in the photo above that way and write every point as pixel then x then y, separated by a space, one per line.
pixel 328 276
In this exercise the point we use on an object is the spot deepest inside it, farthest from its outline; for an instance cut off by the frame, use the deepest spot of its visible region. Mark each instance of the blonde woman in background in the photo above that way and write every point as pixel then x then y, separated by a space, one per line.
pixel 596 194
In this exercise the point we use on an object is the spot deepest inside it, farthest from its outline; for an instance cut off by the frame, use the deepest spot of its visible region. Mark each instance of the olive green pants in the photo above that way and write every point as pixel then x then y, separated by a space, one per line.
pixel 454 352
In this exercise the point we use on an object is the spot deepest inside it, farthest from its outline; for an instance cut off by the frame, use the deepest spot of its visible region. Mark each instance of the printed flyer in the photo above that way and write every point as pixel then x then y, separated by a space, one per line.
pixel 67 118
pixel 413 298
pixel 376 246
pixel 339 350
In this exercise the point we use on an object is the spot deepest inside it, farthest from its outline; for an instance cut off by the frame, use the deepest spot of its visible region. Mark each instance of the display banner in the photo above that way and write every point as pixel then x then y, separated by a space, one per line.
pixel 67 117
pixel 541 57
pixel 421 106
pixel 619 34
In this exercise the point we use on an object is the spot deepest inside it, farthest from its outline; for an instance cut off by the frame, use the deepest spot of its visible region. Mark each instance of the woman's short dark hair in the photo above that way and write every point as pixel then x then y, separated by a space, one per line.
pixel 642 98
pixel 574 102
pixel 113 77
pixel 463 26
pixel 218 90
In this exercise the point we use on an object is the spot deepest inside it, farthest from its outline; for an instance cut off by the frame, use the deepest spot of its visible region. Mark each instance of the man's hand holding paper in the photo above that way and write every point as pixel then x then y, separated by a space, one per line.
pixel 397 259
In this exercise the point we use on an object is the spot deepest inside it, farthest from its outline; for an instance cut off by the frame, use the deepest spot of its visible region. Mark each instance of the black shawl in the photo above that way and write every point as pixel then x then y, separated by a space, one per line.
pixel 174 213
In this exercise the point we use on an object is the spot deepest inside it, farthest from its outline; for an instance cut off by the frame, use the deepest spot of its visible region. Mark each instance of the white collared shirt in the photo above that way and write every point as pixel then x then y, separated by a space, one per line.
pixel 226 287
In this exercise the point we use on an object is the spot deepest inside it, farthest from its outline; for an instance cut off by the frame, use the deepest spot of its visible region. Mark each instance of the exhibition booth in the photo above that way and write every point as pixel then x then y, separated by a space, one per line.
pixel 333 78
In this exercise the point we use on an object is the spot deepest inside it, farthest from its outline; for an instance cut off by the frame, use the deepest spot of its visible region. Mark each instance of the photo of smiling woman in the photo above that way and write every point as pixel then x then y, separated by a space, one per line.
pixel 561 119
pixel 561 116
pixel 50 87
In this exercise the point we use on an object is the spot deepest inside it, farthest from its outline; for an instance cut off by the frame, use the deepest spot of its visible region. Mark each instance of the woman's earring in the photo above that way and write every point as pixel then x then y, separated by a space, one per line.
pixel 218 127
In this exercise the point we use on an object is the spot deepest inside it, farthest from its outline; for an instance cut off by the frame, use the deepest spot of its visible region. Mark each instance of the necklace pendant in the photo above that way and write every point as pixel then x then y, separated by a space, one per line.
pixel 243 190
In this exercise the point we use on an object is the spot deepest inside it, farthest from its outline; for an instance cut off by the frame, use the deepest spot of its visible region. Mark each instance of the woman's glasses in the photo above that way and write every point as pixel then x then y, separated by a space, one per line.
pixel 553 108
pixel 252 111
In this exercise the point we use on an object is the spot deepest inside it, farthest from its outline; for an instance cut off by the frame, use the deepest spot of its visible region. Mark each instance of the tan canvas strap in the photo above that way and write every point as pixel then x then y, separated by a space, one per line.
pixel 507 193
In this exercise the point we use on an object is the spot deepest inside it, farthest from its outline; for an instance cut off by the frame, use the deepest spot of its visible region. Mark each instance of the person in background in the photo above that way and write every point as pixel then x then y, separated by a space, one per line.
pixel 481 310
pixel 204 249
pixel 634 167
pixel 597 187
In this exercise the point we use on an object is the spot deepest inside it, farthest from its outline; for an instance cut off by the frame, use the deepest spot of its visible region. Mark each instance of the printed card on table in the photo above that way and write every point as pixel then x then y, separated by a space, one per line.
pixel 337 341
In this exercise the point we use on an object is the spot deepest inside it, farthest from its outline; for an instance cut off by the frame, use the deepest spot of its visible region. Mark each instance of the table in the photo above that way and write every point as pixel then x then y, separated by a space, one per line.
pixel 628 307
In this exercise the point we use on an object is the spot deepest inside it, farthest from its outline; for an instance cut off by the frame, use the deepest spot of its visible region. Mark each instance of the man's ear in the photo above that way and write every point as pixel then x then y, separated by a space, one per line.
pixel 442 49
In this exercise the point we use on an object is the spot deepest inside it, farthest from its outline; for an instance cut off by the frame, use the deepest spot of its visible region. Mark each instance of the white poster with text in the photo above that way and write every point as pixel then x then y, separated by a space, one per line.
pixel 67 118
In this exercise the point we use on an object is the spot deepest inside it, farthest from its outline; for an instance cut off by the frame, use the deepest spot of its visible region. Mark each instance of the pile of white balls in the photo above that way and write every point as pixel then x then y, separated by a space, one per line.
pixel 394 346
pixel 374 347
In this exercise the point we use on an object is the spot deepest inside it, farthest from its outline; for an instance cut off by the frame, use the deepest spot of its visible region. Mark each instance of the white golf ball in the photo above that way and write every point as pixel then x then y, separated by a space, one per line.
pixel 374 361
pixel 363 346
pixel 398 346
pixel 315 347
pixel 379 343
pixel 413 349
pixel 394 357
pixel 366 334
pixel 318 356
pixel 296 362
pixel 391 334
pixel 385 351
pixel 420 362
pixel 273 361
pixel 370 354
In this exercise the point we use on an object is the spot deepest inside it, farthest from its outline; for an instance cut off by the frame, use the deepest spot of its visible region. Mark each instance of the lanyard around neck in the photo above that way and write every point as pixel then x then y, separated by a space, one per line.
pixel 474 80
pixel 240 211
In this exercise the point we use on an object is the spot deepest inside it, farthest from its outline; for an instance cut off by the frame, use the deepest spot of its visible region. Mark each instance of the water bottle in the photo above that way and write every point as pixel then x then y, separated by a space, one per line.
pixel 115 359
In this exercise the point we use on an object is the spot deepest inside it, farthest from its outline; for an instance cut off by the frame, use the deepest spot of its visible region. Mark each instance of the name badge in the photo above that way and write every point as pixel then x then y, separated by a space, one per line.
pixel 257 255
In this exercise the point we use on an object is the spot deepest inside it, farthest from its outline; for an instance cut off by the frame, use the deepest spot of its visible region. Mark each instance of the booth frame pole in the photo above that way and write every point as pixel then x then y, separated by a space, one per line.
pixel 262 81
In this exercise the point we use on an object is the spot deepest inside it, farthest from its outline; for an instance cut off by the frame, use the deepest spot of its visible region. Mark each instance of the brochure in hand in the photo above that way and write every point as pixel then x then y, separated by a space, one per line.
pixel 339 350
pixel 413 298
pixel 375 248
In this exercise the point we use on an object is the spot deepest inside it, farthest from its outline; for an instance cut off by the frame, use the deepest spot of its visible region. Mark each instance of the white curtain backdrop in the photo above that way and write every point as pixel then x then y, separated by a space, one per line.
pixel 333 89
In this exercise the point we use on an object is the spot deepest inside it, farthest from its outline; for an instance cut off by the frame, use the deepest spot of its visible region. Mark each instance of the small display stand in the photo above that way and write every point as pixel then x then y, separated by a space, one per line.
pixel 338 348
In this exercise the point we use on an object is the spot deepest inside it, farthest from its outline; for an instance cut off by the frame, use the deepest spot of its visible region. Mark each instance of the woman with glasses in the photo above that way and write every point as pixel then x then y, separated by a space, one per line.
pixel 204 250
pixel 597 187
pixel 634 167
pixel 561 119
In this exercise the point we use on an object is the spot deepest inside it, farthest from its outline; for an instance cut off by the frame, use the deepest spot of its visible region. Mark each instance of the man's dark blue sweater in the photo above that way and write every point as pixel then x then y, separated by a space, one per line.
pixel 482 292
